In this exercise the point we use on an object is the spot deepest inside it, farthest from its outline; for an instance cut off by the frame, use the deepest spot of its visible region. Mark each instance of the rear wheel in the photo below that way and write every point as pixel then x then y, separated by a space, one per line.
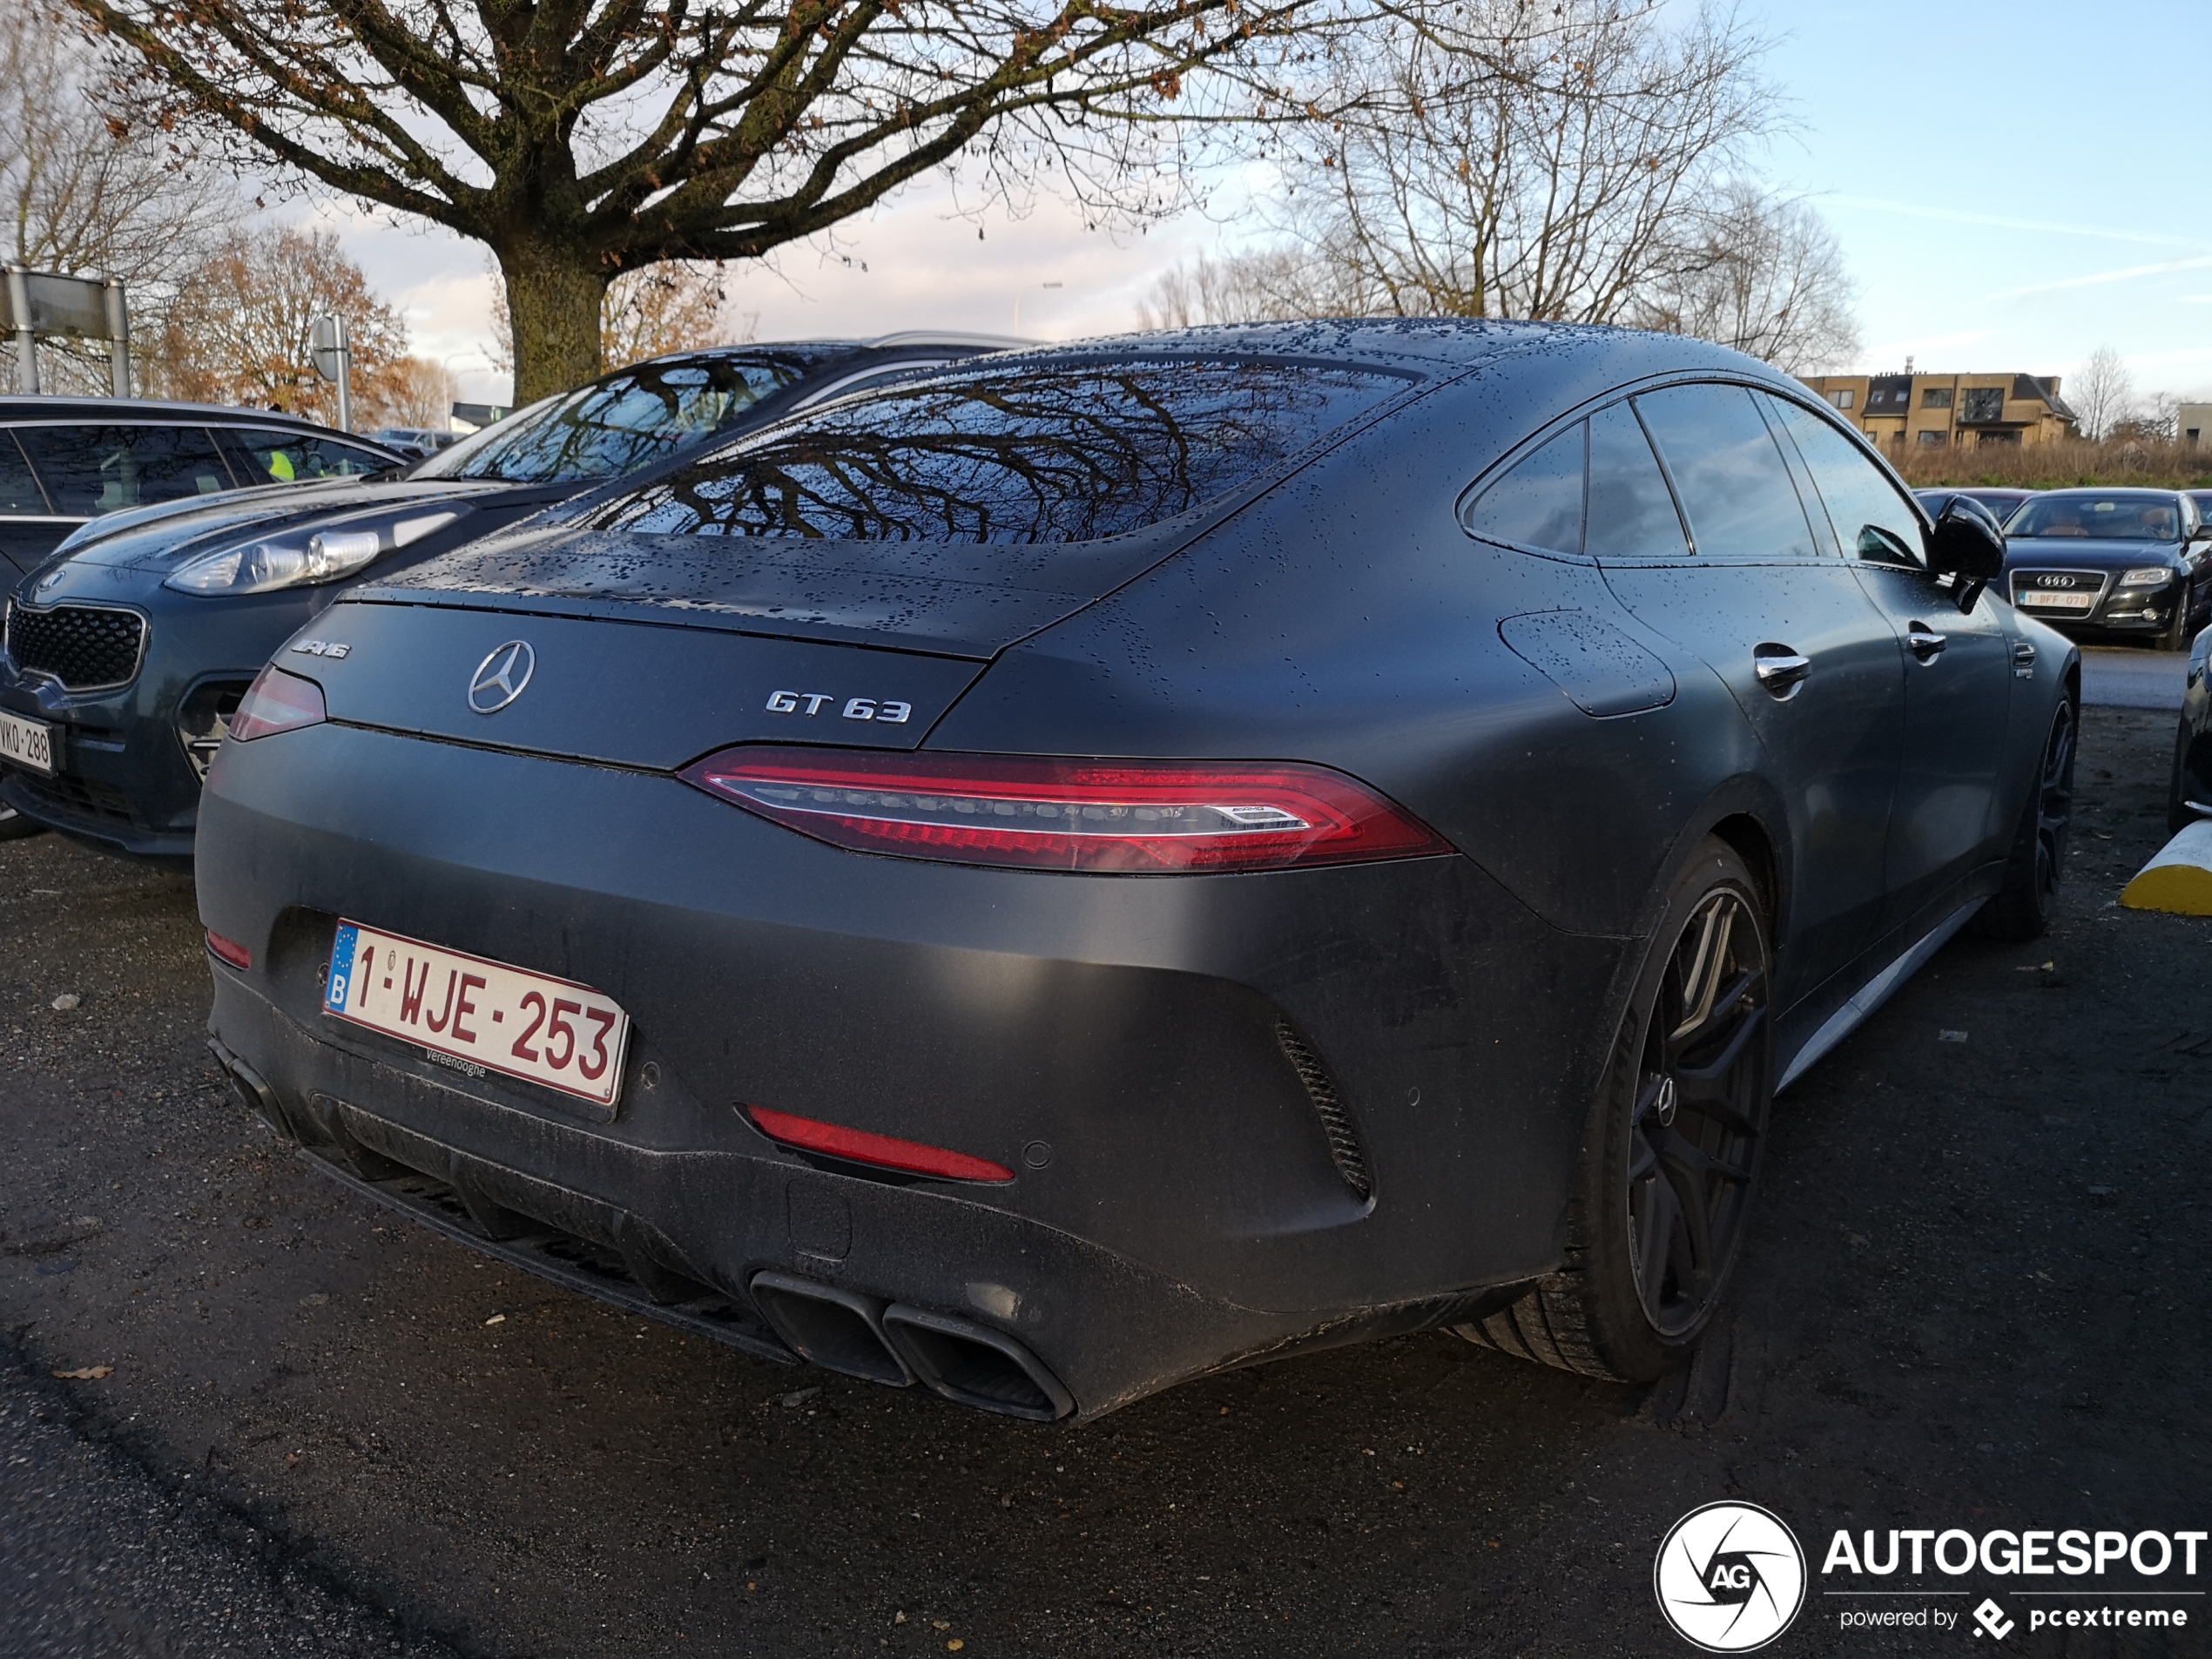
pixel 2024 905
pixel 1671 1152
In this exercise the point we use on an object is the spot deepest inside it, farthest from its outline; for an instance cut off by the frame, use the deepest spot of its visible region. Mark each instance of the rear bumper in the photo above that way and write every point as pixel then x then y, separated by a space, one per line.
pixel 1118 1041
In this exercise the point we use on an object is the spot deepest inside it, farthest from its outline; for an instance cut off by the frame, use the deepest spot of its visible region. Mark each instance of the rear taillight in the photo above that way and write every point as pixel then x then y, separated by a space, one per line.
pixel 1144 816
pixel 277 702
pixel 228 950
pixel 885 1151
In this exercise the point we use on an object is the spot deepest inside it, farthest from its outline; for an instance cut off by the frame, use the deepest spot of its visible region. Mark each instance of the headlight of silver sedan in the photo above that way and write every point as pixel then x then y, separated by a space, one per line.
pixel 287 561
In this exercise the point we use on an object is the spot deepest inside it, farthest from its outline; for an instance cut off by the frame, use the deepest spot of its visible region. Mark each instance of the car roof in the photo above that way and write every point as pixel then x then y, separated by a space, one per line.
pixel 2112 492
pixel 16 408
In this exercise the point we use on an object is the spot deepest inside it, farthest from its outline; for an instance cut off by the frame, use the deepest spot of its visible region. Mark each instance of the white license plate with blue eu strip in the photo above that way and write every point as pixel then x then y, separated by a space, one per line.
pixel 28 744
pixel 485 1015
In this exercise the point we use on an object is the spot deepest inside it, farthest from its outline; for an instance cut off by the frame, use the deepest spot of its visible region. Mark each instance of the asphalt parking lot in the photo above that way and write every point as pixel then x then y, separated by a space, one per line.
pixel 1976 1297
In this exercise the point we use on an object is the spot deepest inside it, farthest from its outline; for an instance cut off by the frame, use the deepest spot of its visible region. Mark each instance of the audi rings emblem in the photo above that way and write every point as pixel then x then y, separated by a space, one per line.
pixel 2053 580
pixel 501 676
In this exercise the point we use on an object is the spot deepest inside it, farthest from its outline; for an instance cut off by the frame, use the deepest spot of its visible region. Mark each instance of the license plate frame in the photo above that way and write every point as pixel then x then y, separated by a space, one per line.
pixel 29 743
pixel 2036 599
pixel 386 997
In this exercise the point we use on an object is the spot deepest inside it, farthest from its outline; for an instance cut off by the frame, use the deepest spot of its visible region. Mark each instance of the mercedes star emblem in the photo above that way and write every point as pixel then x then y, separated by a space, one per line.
pixel 501 676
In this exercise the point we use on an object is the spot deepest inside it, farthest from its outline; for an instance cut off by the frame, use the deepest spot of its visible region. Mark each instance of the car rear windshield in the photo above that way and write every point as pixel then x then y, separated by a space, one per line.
pixel 2118 518
pixel 620 423
pixel 1036 453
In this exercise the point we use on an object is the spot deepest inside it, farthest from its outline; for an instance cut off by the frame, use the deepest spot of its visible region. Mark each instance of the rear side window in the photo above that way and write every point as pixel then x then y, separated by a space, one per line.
pixel 271 455
pixel 1539 503
pixel 1872 520
pixel 89 471
pixel 19 492
pixel 1734 487
pixel 1632 511
pixel 1045 452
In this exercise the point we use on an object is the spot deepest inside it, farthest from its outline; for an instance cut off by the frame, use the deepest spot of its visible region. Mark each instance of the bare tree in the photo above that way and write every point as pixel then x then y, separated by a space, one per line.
pixel 238 331
pixel 1531 158
pixel 1266 285
pixel 87 197
pixel 583 139
pixel 2102 393
pixel 1762 273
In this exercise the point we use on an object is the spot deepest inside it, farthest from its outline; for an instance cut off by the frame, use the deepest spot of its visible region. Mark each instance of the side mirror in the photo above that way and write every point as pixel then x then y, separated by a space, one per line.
pixel 1967 542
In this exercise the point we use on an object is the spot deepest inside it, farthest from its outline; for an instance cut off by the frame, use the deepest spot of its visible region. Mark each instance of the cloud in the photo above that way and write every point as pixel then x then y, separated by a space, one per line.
pixel 2101 277
pixel 1963 216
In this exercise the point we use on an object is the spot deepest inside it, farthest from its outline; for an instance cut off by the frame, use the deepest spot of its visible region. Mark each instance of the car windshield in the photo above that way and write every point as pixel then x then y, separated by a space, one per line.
pixel 620 423
pixel 1053 452
pixel 2118 518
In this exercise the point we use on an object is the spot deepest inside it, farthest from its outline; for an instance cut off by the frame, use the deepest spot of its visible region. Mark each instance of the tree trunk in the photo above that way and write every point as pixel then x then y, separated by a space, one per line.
pixel 553 303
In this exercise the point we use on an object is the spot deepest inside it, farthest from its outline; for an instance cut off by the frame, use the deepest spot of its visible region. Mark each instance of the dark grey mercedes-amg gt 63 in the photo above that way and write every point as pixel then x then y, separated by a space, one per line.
pixel 1136 858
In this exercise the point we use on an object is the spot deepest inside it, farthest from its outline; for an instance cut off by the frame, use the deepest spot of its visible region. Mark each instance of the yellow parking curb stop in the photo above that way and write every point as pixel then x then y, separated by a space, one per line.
pixel 2179 879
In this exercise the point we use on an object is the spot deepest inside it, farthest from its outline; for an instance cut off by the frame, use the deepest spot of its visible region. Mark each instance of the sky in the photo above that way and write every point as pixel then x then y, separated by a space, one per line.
pixel 2014 184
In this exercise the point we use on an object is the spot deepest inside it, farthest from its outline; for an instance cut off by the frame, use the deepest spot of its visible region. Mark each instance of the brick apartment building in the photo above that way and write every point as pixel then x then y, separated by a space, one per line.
pixel 1899 411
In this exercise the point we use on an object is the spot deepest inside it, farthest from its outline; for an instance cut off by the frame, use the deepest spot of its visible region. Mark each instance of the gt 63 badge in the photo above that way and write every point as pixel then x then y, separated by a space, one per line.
pixel 1730 1577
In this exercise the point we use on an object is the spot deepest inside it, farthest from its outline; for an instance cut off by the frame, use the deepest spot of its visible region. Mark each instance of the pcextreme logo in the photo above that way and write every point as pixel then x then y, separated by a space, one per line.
pixel 1730 1577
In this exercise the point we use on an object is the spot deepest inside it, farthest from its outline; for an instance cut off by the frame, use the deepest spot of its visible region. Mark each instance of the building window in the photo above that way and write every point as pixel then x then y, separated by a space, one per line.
pixel 1936 397
pixel 1983 403
pixel 1933 439
pixel 1842 397
pixel 2001 437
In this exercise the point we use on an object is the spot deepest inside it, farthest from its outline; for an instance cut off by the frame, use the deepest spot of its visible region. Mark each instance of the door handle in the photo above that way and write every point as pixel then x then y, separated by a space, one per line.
pixel 1780 668
pixel 1924 642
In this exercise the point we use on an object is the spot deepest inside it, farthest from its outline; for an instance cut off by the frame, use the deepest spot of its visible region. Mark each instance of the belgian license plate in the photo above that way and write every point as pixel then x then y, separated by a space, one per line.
pixel 29 743
pixel 484 1014
pixel 2034 600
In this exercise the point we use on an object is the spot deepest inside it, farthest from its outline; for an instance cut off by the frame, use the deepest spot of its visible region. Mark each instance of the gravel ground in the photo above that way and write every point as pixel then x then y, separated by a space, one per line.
pixel 1975 1297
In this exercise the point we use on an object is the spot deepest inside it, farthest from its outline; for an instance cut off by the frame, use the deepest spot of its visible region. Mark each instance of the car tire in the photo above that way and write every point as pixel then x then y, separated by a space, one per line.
pixel 2180 786
pixel 2023 906
pixel 14 826
pixel 2177 634
pixel 1670 1153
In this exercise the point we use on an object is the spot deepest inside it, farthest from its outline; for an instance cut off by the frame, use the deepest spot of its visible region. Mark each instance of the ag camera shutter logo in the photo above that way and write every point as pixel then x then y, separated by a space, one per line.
pixel 1730 1577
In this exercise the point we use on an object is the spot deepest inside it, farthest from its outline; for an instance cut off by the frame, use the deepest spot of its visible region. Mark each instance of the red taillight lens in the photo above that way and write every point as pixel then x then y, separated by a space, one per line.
pixel 229 950
pixel 1135 816
pixel 277 702
pixel 885 1150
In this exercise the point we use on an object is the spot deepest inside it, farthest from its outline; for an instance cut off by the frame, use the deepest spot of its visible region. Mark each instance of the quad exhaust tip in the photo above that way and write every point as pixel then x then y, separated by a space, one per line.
pixel 862 1336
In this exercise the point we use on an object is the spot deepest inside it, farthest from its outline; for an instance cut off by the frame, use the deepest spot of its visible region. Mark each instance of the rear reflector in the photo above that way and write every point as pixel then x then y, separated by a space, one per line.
pixel 1143 817
pixel 277 702
pixel 884 1150
pixel 229 950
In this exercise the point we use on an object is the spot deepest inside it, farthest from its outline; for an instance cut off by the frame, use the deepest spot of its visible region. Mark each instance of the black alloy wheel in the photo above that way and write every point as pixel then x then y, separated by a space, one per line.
pixel 1700 1110
pixel 1670 1153
pixel 2024 906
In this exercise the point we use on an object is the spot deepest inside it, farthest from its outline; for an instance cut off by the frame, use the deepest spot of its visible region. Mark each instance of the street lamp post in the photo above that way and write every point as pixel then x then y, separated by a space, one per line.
pixel 1018 293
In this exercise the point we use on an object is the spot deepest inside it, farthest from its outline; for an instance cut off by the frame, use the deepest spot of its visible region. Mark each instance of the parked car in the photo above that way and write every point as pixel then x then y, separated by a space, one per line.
pixel 417 443
pixel 2001 502
pixel 2120 563
pixel 1115 861
pixel 124 659
pixel 67 460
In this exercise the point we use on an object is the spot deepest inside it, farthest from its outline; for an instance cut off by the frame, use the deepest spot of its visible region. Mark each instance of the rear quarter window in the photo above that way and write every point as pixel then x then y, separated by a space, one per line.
pixel 1040 453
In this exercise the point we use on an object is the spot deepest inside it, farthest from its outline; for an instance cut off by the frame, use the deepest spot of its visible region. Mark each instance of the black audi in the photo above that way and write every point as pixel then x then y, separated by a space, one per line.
pixel 126 653
pixel 1117 861
pixel 2117 562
